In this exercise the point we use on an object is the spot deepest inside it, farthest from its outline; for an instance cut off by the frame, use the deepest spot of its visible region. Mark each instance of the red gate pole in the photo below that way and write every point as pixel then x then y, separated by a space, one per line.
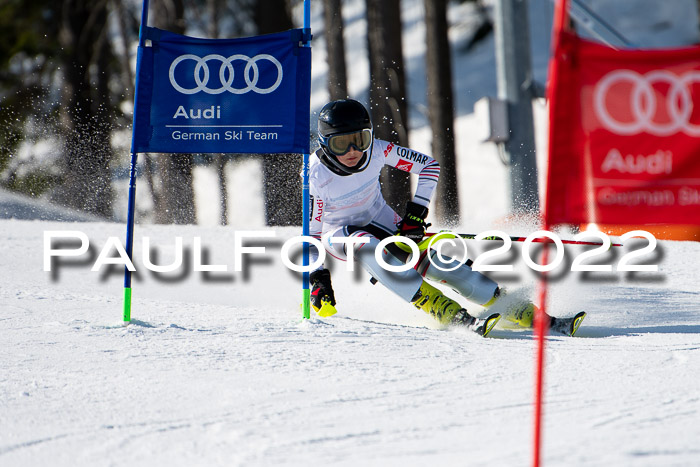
pixel 541 328
pixel 561 18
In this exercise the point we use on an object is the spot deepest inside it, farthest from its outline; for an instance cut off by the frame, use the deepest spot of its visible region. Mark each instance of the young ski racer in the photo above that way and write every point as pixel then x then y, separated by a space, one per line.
pixel 347 202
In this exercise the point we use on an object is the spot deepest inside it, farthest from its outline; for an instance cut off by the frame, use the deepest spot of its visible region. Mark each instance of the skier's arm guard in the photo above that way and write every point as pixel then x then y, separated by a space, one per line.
pixel 321 288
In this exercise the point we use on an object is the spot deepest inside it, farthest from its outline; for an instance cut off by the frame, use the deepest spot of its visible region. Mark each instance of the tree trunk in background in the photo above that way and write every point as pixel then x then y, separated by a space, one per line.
pixel 175 196
pixel 127 74
pixel 281 179
pixel 387 92
pixel 214 6
pixel 440 108
pixel 335 46
pixel 86 178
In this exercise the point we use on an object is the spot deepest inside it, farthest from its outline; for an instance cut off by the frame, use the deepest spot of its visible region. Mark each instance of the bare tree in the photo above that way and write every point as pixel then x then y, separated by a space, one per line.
pixel 86 179
pixel 127 74
pixel 175 196
pixel 213 6
pixel 440 107
pixel 387 92
pixel 335 45
pixel 281 181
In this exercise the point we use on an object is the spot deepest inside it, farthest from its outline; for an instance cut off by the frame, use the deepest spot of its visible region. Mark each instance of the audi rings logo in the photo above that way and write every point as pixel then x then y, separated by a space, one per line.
pixel 226 74
pixel 646 113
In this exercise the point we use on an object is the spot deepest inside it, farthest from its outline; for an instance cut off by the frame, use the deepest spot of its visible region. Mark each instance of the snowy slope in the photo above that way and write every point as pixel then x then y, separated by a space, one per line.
pixel 220 370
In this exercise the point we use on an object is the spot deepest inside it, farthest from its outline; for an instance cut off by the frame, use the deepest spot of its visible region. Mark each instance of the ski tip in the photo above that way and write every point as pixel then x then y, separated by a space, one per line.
pixel 577 322
pixel 490 323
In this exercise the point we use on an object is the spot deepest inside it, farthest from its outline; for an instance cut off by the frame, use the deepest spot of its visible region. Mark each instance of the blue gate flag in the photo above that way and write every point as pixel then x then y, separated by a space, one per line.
pixel 246 95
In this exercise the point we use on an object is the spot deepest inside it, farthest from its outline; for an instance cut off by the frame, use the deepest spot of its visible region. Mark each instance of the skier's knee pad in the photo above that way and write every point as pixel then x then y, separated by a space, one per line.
pixel 470 284
pixel 404 283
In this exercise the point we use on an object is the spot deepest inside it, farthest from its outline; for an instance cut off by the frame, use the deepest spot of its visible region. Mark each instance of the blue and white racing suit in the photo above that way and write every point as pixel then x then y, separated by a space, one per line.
pixel 353 206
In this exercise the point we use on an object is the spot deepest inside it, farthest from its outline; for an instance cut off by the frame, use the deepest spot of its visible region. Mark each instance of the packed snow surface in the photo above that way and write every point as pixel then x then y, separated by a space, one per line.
pixel 218 368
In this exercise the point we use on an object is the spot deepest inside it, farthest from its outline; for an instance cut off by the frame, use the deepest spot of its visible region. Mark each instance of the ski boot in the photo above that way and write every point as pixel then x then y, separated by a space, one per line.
pixel 447 311
pixel 522 313
pixel 514 309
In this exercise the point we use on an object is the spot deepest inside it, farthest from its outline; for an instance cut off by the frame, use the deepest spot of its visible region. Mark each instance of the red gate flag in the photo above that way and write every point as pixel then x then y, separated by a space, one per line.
pixel 624 138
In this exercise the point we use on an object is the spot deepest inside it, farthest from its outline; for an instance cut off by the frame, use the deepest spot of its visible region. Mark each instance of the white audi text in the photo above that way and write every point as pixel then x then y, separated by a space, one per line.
pixel 208 113
pixel 653 164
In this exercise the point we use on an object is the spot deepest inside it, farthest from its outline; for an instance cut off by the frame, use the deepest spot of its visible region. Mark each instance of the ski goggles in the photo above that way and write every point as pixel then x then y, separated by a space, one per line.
pixel 340 144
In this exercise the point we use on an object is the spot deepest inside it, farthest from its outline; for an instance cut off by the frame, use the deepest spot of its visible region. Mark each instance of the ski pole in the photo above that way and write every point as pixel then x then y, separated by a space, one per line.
pixel 518 239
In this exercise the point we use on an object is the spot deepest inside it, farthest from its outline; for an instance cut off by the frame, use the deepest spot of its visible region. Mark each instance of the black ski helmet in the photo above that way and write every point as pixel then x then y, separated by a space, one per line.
pixel 339 117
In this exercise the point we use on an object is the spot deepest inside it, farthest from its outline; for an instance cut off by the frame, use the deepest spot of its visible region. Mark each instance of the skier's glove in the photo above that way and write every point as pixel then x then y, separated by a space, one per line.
pixel 413 224
pixel 321 289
